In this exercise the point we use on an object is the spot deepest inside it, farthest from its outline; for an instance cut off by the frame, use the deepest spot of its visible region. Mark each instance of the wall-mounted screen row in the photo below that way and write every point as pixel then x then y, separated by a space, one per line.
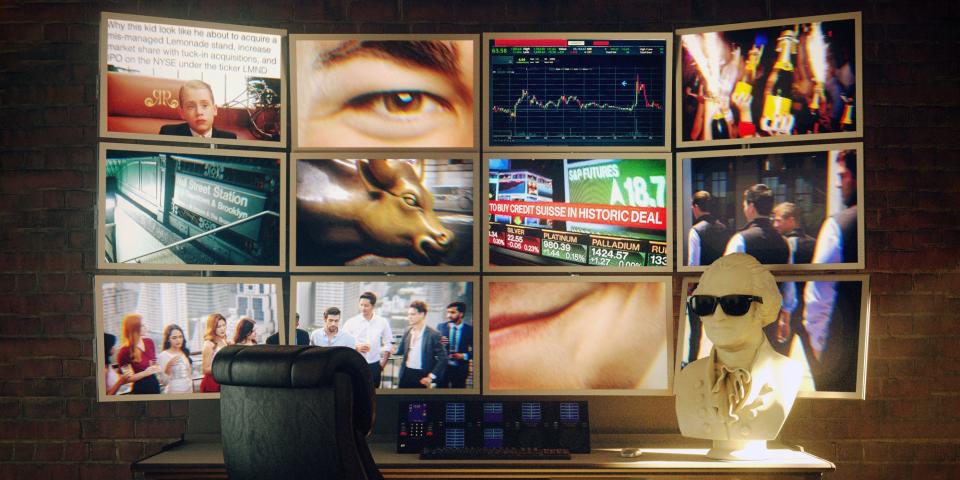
pixel 167 80
pixel 823 323
pixel 157 336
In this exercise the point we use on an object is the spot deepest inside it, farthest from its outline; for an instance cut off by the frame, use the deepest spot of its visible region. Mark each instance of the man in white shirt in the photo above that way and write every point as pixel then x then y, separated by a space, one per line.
pixel 372 334
pixel 331 335
pixel 424 356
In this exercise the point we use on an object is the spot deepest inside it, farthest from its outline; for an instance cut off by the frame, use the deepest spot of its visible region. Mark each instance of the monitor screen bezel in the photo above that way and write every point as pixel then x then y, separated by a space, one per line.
pixel 294 131
pixel 478 322
pixel 101 207
pixel 667 85
pixel 620 155
pixel 667 282
pixel 858 53
pixel 99 280
pixel 862 343
pixel 684 202
pixel 453 155
pixel 226 142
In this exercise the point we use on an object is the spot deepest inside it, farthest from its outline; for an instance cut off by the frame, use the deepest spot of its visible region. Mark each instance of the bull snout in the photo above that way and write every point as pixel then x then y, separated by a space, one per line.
pixel 435 245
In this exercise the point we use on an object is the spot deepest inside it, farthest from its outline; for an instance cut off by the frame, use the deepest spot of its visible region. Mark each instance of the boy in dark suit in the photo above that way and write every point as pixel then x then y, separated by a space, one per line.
pixel 199 111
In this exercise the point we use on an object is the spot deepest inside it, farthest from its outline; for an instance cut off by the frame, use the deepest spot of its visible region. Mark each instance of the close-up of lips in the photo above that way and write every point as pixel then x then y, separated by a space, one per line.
pixel 577 335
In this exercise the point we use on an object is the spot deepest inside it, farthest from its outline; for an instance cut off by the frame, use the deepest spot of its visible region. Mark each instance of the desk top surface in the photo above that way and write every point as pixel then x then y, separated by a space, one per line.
pixel 683 456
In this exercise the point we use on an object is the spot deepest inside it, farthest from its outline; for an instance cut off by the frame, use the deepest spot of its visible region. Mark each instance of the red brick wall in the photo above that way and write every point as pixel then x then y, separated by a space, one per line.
pixel 52 427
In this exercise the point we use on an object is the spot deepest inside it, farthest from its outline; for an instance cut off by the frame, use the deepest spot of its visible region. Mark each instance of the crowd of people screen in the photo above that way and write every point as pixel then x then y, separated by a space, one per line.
pixel 429 357
pixel 773 234
pixel 139 369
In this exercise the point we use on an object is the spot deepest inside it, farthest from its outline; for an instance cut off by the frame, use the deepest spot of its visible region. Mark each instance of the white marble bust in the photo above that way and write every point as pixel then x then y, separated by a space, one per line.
pixel 741 394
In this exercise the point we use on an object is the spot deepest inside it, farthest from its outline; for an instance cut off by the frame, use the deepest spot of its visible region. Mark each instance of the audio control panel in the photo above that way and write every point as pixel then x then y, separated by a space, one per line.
pixel 493 424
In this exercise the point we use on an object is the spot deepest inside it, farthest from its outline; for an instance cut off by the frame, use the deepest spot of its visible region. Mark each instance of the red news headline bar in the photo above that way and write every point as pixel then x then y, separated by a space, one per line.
pixel 529 42
pixel 638 217
pixel 601 43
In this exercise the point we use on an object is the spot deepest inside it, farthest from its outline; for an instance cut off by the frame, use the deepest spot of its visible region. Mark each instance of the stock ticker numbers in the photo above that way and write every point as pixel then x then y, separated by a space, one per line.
pixel 577 92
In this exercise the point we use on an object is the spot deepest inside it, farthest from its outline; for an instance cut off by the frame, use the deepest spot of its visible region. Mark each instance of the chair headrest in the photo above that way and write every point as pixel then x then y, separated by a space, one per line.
pixel 284 366
pixel 288 366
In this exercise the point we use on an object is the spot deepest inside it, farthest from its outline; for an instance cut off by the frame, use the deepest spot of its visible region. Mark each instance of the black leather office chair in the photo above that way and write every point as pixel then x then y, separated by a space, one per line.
pixel 290 412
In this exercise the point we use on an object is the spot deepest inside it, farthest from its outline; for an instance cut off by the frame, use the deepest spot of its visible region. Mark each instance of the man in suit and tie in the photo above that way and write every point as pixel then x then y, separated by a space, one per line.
pixel 424 358
pixel 198 111
pixel 458 339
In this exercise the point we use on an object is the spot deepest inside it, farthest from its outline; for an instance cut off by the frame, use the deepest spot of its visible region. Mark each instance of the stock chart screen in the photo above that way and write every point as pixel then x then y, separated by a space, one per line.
pixel 577 92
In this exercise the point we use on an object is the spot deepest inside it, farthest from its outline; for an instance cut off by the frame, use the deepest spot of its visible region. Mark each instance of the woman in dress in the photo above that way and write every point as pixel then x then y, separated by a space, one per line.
pixel 214 339
pixel 113 378
pixel 176 366
pixel 138 353
pixel 246 333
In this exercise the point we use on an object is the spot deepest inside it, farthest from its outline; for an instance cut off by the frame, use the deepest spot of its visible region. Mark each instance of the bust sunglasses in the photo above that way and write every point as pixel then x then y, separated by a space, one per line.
pixel 733 305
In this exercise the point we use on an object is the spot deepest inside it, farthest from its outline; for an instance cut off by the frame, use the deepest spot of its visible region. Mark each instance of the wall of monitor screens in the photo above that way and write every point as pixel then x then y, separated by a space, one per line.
pixel 540 287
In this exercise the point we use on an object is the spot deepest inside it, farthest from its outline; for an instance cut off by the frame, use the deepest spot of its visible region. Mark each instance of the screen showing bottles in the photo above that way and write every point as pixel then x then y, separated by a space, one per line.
pixel 602 212
pixel 577 92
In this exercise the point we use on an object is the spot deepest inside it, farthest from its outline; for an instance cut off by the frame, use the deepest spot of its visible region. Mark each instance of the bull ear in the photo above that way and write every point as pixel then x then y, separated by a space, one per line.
pixel 421 169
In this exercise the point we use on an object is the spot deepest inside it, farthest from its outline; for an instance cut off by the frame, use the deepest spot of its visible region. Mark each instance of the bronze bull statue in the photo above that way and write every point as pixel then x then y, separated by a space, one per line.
pixel 348 209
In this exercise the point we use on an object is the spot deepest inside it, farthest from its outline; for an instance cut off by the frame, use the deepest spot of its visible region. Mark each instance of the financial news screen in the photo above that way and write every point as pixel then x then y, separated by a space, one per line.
pixel 577 92
pixel 593 212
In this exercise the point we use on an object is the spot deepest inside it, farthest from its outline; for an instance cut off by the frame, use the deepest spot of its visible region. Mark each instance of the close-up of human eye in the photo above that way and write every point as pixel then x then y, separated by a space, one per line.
pixel 399 105
pixel 397 114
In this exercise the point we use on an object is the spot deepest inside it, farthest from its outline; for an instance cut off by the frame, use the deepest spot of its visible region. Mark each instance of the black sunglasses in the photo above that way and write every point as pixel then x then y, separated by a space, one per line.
pixel 733 305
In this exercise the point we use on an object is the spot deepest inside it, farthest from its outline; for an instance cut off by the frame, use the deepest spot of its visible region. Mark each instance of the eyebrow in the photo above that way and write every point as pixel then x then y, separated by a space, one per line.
pixel 435 55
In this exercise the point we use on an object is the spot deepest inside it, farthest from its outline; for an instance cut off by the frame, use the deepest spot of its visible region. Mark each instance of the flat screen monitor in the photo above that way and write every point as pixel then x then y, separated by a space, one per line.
pixel 578 213
pixel 171 208
pixel 793 208
pixel 376 214
pixel 171 80
pixel 596 335
pixel 181 322
pixel 773 81
pixel 577 91
pixel 416 333
pixel 823 324
pixel 368 92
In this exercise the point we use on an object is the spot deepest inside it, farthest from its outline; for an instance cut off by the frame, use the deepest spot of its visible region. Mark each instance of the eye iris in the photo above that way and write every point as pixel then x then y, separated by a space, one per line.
pixel 403 102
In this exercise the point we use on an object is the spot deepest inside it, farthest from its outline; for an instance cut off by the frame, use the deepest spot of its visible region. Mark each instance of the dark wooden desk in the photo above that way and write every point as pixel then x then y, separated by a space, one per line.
pixel 204 460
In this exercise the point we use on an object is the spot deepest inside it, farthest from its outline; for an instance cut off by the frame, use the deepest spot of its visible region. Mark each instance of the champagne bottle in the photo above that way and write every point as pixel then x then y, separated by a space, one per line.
pixel 777 100
pixel 744 86
pixel 718 126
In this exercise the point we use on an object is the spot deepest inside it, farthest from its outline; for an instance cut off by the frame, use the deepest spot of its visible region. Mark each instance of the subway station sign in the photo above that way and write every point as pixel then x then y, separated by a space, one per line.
pixel 219 203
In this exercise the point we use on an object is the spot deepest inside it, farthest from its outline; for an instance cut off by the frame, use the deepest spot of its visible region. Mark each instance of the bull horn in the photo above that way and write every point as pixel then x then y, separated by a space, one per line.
pixel 383 172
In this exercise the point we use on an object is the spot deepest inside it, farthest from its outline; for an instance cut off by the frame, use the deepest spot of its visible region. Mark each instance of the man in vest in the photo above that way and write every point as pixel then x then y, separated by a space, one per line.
pixel 758 238
pixel 831 316
pixel 786 222
pixel 705 243
pixel 708 237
